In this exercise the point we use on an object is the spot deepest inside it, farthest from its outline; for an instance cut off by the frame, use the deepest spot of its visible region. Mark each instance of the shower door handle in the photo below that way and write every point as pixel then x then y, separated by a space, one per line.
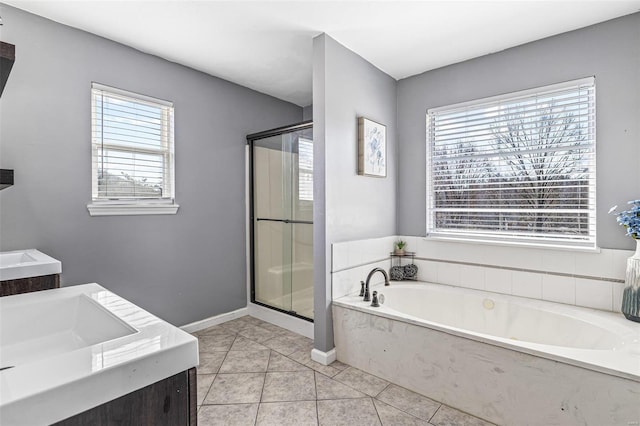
pixel 309 222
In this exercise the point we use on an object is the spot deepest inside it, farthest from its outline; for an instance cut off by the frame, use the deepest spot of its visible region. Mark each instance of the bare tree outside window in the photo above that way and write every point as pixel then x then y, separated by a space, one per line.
pixel 546 171
pixel 521 168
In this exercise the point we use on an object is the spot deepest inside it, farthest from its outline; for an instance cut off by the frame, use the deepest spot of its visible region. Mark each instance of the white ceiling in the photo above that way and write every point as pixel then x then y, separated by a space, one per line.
pixel 267 45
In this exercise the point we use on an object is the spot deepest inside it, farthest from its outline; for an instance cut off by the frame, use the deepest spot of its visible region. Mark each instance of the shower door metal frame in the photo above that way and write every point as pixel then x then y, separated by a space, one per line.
pixel 250 140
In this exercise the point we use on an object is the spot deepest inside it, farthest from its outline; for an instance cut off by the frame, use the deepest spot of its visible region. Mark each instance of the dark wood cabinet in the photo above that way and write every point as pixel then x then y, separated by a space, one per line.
pixel 169 402
pixel 6 178
pixel 27 285
pixel 7 58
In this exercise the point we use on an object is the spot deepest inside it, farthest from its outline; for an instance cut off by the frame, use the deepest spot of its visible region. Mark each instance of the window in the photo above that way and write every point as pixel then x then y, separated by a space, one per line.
pixel 305 169
pixel 132 153
pixel 518 168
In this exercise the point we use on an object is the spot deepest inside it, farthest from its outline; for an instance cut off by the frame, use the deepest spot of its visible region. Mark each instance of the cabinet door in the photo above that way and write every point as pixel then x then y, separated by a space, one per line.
pixel 27 285
pixel 164 403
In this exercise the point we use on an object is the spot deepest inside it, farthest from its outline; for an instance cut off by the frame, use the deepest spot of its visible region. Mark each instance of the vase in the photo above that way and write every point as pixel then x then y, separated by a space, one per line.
pixel 631 294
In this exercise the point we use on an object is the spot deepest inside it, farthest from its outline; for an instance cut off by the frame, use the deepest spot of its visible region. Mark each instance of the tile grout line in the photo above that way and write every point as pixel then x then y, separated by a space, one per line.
pixel 255 422
pixel 217 373
pixel 402 409
pixel 383 389
pixel 513 268
pixel 492 266
pixel 236 403
pixel 208 389
pixel 315 384
pixel 434 413
pixel 225 357
pixel 376 410
pixel 265 381
pixel 389 384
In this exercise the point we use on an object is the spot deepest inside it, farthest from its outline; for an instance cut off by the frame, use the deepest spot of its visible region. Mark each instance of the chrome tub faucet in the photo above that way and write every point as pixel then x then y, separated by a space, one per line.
pixel 367 297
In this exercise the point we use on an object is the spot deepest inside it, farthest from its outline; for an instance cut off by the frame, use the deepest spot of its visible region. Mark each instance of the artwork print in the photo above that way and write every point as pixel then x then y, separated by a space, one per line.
pixel 372 148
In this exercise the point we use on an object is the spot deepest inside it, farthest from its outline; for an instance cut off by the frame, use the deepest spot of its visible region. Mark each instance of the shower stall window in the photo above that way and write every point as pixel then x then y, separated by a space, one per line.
pixel 281 185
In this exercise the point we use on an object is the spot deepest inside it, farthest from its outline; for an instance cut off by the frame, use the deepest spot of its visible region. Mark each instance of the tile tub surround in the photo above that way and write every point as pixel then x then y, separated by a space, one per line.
pixel 492 382
pixel 588 279
pixel 351 261
pixel 291 389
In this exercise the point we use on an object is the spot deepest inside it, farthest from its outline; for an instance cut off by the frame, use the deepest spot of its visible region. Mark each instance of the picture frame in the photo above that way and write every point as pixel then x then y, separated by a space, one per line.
pixel 372 148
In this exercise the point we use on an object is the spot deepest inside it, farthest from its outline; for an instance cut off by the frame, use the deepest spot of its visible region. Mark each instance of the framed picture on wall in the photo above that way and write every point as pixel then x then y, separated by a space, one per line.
pixel 372 148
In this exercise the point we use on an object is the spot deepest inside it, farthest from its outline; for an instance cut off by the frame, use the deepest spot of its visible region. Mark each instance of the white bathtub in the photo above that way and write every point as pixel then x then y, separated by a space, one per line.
pixel 507 359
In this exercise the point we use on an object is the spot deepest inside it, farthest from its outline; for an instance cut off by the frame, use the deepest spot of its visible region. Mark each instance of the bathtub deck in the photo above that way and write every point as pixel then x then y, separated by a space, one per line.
pixel 499 384
pixel 254 373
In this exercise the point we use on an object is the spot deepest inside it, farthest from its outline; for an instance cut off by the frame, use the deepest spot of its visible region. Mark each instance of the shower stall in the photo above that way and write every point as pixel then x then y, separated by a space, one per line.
pixel 281 219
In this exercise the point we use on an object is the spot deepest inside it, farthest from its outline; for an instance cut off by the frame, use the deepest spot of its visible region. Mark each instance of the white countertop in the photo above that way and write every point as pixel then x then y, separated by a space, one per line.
pixel 18 264
pixel 57 381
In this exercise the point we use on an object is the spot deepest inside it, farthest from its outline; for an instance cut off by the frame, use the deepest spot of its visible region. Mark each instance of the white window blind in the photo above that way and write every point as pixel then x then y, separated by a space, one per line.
pixel 305 170
pixel 518 167
pixel 132 146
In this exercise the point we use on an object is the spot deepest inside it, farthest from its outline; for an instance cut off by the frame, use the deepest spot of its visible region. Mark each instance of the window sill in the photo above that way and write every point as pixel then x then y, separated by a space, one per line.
pixel 133 209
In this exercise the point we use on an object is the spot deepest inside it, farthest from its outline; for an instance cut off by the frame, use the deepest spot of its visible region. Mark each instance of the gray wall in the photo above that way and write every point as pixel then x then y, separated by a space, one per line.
pixel 345 86
pixel 609 51
pixel 307 113
pixel 182 268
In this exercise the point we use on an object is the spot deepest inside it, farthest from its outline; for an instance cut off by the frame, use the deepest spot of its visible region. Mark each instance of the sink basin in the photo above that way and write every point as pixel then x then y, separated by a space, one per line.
pixel 70 349
pixel 71 323
pixel 8 259
pixel 27 263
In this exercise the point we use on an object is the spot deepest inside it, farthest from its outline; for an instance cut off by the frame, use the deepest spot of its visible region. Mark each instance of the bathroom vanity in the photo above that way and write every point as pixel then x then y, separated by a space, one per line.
pixel 24 271
pixel 83 355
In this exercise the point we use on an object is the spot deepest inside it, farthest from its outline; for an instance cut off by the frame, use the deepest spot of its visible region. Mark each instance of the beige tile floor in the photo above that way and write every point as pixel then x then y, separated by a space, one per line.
pixel 254 373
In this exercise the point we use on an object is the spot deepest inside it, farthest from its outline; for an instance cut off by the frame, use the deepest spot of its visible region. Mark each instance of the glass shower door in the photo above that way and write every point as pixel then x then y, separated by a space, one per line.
pixel 282 194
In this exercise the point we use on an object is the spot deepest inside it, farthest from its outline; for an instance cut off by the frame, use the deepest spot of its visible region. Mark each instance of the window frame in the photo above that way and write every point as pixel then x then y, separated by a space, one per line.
pixel 493 237
pixel 118 206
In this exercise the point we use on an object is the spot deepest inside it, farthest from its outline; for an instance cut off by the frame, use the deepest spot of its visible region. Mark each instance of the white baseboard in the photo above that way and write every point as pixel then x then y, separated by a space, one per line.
pixel 294 324
pixel 215 320
pixel 289 322
pixel 324 358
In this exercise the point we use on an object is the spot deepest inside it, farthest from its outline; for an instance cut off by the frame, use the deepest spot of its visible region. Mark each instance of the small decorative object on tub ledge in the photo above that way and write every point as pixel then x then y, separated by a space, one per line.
pixel 410 271
pixel 630 219
pixel 398 271
pixel 399 247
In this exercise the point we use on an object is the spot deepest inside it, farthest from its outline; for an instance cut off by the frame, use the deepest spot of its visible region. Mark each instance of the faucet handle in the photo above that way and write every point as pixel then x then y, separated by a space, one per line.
pixel 361 288
pixel 374 302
